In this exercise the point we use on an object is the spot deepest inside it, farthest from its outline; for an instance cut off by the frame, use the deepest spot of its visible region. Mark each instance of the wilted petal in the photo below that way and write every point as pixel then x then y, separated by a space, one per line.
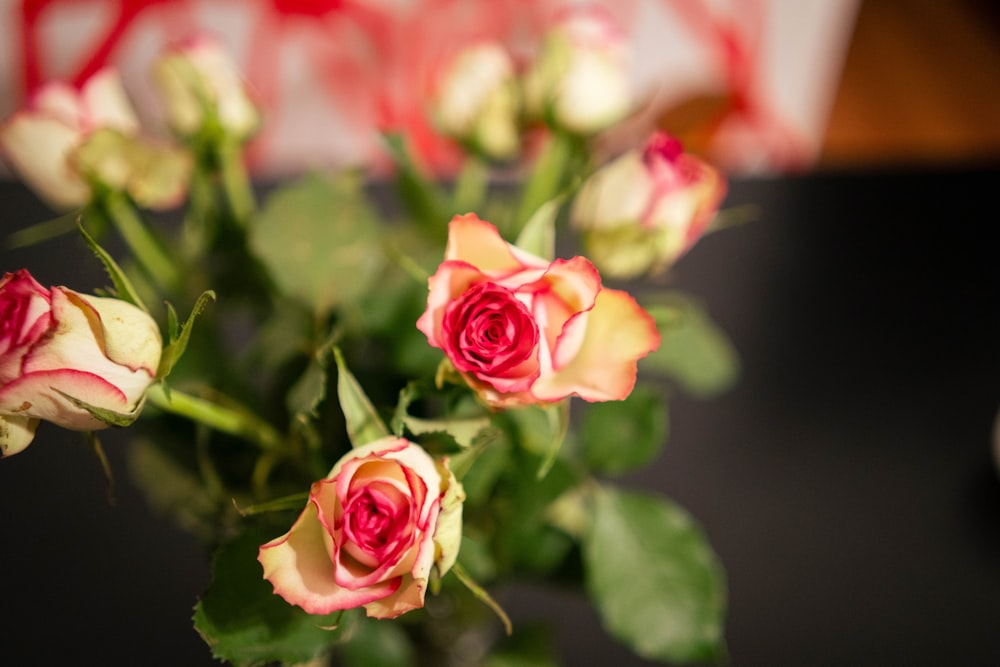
pixel 16 433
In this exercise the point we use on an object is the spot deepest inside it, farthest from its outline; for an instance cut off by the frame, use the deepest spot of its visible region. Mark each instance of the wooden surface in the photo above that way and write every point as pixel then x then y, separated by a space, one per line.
pixel 921 83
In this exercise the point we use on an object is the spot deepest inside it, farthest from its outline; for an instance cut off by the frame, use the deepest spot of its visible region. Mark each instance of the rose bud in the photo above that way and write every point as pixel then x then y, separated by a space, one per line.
pixel 522 330
pixel 579 80
pixel 475 100
pixel 370 534
pixel 67 143
pixel 204 92
pixel 39 140
pixel 62 352
pixel 642 211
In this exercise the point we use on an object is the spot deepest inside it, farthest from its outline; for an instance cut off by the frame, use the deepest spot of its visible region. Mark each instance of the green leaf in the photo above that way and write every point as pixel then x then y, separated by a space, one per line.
pixel 619 436
pixel 178 343
pixel 320 241
pixel 245 623
pixel 123 286
pixel 483 596
pixel 693 351
pixel 375 642
pixel 364 424
pixel 425 201
pixel 655 581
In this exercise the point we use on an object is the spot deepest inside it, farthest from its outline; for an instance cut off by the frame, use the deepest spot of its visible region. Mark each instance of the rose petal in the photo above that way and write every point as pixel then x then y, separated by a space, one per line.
pixel 299 568
pixel 81 344
pixel 618 333
pixel 48 404
pixel 38 147
pixel 478 243
pixel 16 433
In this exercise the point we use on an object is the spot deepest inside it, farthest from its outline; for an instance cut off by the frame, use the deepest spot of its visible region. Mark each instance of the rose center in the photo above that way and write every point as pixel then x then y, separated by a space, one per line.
pixel 488 330
pixel 376 519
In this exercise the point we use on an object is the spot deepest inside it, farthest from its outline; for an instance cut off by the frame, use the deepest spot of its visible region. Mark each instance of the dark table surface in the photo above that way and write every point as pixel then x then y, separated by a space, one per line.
pixel 847 481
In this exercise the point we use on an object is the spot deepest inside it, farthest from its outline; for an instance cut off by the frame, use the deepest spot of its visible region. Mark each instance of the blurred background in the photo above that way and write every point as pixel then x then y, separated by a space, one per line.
pixel 761 86
pixel 846 482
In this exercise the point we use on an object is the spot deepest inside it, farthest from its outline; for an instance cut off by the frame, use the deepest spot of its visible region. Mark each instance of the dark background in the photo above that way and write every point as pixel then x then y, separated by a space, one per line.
pixel 846 482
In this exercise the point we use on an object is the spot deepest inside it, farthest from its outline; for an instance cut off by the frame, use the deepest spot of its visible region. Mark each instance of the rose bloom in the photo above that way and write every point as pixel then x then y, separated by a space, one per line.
pixel 203 90
pixel 579 80
pixel 475 100
pixel 370 534
pixel 642 211
pixel 57 345
pixel 523 330
pixel 38 140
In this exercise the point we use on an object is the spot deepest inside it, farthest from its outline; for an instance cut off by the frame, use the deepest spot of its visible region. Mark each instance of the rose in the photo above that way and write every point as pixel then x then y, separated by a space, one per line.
pixel 66 141
pixel 475 101
pixel 579 80
pixel 75 360
pixel 203 90
pixel 370 534
pixel 642 211
pixel 522 330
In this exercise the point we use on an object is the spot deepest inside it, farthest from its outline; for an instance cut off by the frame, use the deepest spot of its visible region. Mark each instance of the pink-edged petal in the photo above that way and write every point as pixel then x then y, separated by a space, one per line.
pixel 449 281
pixel 299 568
pixel 478 243
pixel 16 433
pixel 37 395
pixel 413 587
pixel 81 344
pixel 618 333
pixel 38 147
pixel 568 287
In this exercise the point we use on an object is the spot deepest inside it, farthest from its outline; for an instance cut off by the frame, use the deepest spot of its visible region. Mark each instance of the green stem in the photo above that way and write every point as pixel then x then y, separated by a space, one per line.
pixel 238 422
pixel 545 180
pixel 236 182
pixel 147 250
pixel 470 186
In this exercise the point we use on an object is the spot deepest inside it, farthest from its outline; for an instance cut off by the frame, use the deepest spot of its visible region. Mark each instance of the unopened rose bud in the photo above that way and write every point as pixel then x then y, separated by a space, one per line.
pixel 642 211
pixel 39 140
pixel 65 356
pixel 204 92
pixel 475 100
pixel 579 81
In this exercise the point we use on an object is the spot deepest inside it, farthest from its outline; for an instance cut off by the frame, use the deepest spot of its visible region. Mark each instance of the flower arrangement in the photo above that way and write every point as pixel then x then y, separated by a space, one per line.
pixel 366 412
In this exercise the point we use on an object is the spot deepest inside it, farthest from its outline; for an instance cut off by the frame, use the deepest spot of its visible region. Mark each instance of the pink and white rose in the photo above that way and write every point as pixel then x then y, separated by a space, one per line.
pixel 522 330
pixel 475 100
pixel 203 90
pixel 371 533
pixel 642 211
pixel 62 352
pixel 580 79
pixel 68 140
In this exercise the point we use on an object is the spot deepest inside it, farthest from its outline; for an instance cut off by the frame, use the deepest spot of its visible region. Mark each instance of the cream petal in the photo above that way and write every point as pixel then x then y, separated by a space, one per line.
pixel 16 433
pixel 106 104
pixel 38 147
pixel 80 344
pixel 479 243
pixel 618 333
pixel 131 337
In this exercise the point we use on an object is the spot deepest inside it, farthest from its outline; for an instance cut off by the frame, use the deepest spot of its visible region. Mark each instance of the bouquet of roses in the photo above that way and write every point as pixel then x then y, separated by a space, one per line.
pixel 364 405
